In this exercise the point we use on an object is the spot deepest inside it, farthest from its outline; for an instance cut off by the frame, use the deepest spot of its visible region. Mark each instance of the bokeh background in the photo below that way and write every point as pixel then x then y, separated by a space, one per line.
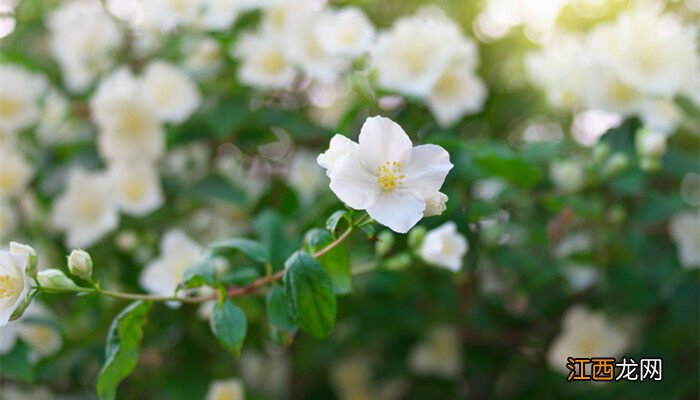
pixel 576 183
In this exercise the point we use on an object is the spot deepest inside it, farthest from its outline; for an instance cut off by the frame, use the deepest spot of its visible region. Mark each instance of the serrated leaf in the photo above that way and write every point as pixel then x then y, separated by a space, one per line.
pixel 229 325
pixel 336 262
pixel 310 293
pixel 336 217
pixel 123 347
pixel 250 248
pixel 278 309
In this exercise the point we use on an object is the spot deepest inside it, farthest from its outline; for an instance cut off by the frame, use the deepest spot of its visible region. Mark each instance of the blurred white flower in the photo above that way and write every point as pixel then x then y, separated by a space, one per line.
pixel 439 354
pixel 53 125
pixel 229 389
pixel 219 15
pixel 660 114
pixel 8 220
pixel 305 176
pixel 586 333
pixel 129 128
pixel 19 97
pixel 14 283
pixel 36 328
pixel 458 90
pixel 87 209
pixel 202 56
pixel 651 146
pixel 268 373
pixel 560 69
pixel 345 32
pixel 567 175
pixel 435 204
pixel 685 231
pixel 411 57
pixel 172 94
pixel 264 61
pixel 580 276
pixel 611 92
pixel 444 247
pixel 167 15
pixel 15 172
pixel 339 146
pixel 82 38
pixel 352 378
pixel 488 189
pixel 388 177
pixel 137 187
pixel 163 275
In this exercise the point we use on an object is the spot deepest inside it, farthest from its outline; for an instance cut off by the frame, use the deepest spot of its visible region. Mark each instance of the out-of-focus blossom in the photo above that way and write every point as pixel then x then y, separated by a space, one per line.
pixel 87 209
pixel 457 92
pixel 15 172
pixel 439 354
pixel 561 70
pixel 567 175
pixel 129 127
pixel 685 231
pixel 389 177
pixel 137 187
pixel 267 373
pixel 202 57
pixel 20 92
pixel 14 283
pixel 8 220
pixel 586 333
pixel 172 94
pixel 352 378
pixel 36 328
pixel 229 389
pixel 305 176
pixel 10 392
pixel 167 15
pixel 219 15
pixel 54 126
pixel 488 189
pixel 163 275
pixel 345 32
pixel 82 38
pixel 264 61
pixel 444 247
pixel 651 145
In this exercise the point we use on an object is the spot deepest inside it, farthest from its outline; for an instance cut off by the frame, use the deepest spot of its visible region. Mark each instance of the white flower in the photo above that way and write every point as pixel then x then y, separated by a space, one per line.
pixel 19 97
pixel 167 15
pixel 36 329
pixel 304 175
pixel 389 177
pixel 439 354
pixel 15 172
pixel 352 378
pixel 177 252
pixel 86 210
pixel 650 143
pixel 14 283
pixel 346 32
pixel 137 187
pixel 435 204
pixel 685 231
pixel 202 56
pixel 412 56
pixel 172 94
pixel 661 115
pixel 444 247
pixel 129 128
pixel 458 90
pixel 219 15
pixel 82 38
pixel 568 175
pixel 264 61
pixel 586 333
pixel 611 92
pixel 339 147
pixel 54 126
pixel 80 264
pixel 229 389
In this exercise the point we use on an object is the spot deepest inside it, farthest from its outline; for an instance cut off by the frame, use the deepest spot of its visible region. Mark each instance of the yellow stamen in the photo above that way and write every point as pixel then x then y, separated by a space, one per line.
pixel 389 175
pixel 9 286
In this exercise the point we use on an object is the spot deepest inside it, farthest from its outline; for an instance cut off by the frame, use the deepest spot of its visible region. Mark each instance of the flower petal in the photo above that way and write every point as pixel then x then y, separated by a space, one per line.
pixel 427 169
pixel 399 209
pixel 382 140
pixel 353 184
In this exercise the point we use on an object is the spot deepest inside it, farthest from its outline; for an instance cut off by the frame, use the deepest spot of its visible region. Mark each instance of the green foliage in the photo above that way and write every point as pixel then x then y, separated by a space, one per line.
pixel 336 262
pixel 228 323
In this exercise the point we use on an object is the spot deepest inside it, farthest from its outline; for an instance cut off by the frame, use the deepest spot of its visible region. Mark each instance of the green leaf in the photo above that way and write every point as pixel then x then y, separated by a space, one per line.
pixel 16 365
pixel 309 289
pixel 336 262
pixel 123 347
pixel 503 162
pixel 215 187
pixel 200 273
pixel 333 220
pixel 229 325
pixel 278 310
pixel 250 248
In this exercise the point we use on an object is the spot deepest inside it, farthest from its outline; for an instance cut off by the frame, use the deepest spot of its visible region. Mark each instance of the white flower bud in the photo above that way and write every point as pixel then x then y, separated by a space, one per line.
pixel 80 264
pixel 18 248
pixel 617 163
pixel 650 143
pixel 435 205
pixel 54 279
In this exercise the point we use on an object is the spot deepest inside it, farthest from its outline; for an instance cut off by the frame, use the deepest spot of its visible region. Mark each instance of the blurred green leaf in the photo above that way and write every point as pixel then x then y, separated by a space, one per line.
pixel 278 309
pixel 16 364
pixel 200 273
pixel 228 323
pixel 215 187
pixel 250 248
pixel 336 262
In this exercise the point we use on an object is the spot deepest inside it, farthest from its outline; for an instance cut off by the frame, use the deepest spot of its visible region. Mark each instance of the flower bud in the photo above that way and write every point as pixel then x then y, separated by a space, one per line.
pixel 399 261
pixel 415 236
pixel 80 264
pixel 54 279
pixel 435 204
pixel 18 248
pixel 385 241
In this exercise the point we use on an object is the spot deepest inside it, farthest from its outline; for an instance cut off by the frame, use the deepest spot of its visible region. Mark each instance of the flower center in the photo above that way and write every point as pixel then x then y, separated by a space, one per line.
pixel 9 286
pixel 389 175
pixel 8 107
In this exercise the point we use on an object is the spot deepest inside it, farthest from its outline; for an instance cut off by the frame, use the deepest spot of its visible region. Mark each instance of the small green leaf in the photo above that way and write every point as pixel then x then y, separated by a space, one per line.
pixel 336 262
pixel 250 248
pixel 123 347
pixel 278 309
pixel 229 325
pixel 309 289
pixel 200 273
pixel 336 217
